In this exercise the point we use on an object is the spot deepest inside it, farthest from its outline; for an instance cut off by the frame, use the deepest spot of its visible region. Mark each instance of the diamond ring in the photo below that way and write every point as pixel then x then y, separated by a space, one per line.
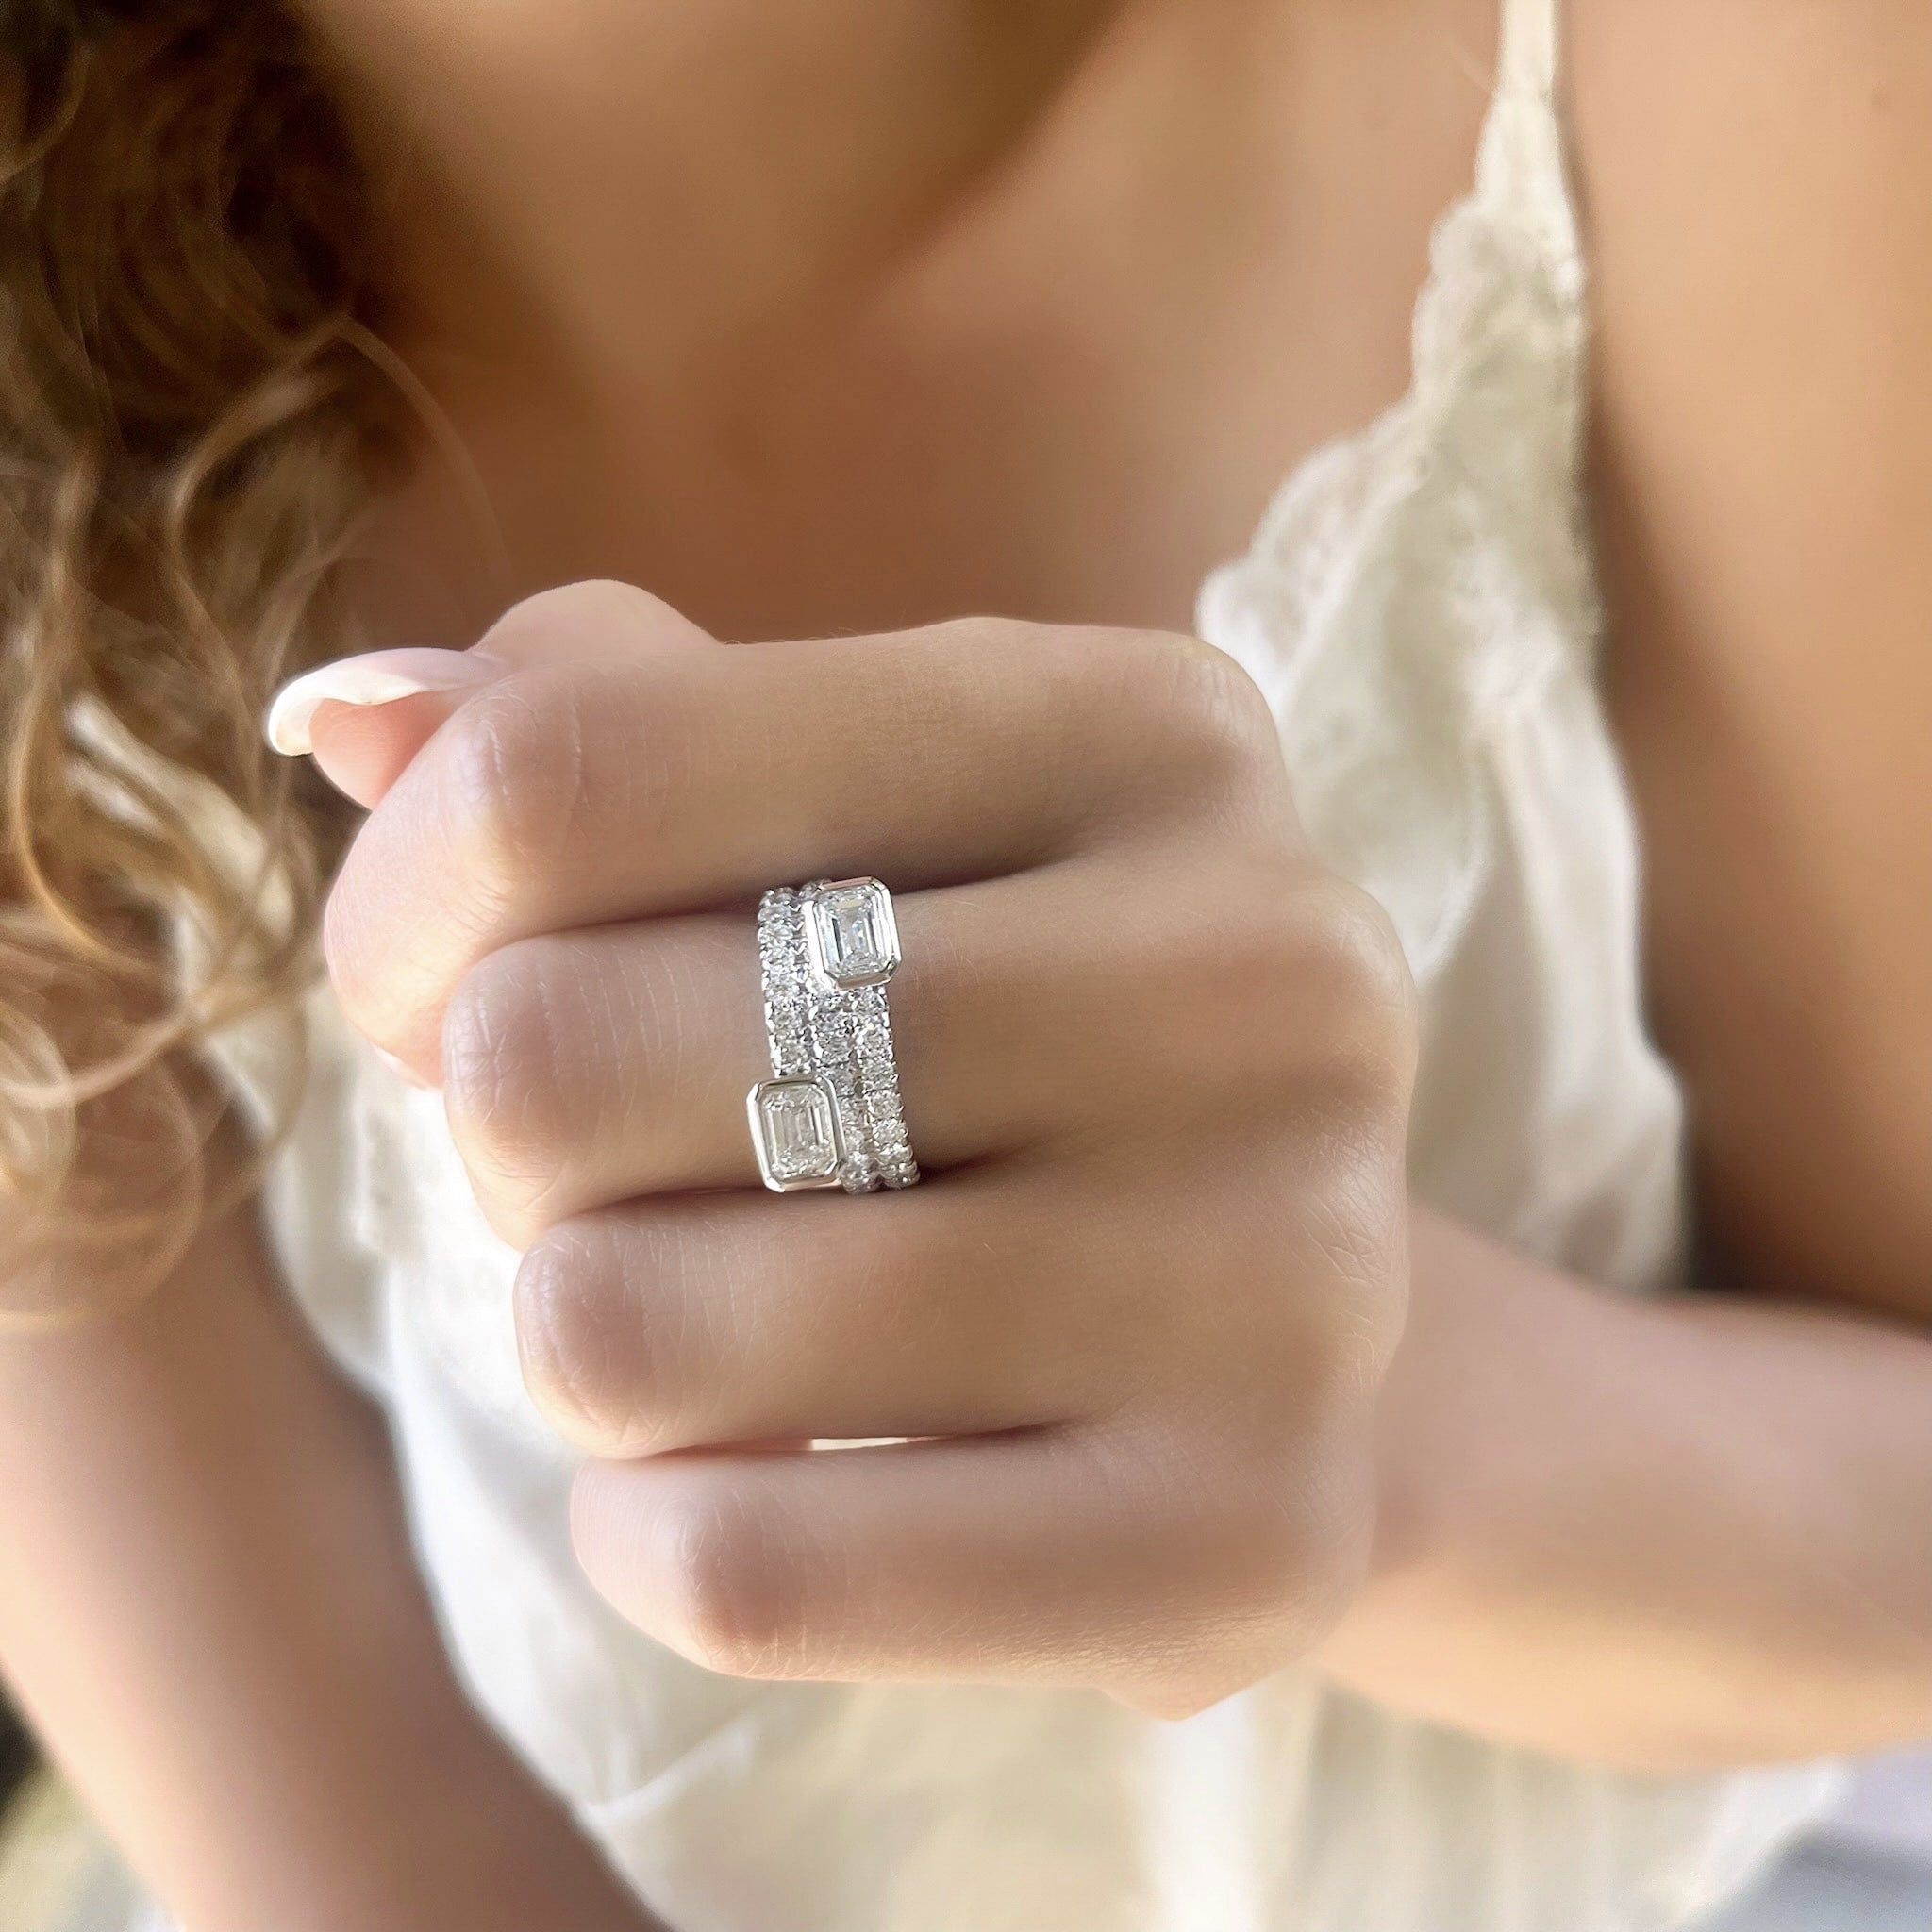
pixel 830 1115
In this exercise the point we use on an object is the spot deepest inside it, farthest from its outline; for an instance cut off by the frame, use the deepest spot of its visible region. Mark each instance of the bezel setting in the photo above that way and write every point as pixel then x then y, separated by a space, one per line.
pixel 851 934
pixel 779 1165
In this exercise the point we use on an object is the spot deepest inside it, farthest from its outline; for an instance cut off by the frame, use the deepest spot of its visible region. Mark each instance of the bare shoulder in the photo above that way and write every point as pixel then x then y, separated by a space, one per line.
pixel 1756 180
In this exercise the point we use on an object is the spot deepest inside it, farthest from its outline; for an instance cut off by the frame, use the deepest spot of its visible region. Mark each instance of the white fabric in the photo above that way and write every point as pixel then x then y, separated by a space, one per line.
pixel 1419 607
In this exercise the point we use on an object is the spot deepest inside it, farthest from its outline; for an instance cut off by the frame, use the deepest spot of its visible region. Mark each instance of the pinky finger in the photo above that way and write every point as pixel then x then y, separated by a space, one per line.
pixel 1035 1558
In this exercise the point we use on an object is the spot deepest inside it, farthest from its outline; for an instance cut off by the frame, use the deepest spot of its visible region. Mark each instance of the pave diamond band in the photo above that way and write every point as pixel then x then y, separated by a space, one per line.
pixel 879 1080
pixel 825 951
pixel 783 968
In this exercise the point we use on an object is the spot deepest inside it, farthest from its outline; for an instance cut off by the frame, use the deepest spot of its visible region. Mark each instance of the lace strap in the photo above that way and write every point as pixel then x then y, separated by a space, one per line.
pixel 1522 170
pixel 1527 49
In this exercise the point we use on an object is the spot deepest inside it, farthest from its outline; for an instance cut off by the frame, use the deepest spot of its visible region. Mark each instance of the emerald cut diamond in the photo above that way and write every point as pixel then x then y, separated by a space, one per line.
pixel 794 1125
pixel 850 933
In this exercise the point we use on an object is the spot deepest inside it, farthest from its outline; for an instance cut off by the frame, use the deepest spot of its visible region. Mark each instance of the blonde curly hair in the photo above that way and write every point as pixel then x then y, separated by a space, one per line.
pixel 193 413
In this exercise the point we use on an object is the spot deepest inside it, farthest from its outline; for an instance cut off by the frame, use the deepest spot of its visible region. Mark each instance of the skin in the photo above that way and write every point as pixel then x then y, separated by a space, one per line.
pixel 211 1616
pixel 1665 1536
pixel 1142 1365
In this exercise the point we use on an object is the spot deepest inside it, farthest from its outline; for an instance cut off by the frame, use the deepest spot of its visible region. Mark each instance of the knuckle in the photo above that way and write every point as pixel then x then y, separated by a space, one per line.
pixel 515 759
pixel 972 638
pixel 1288 1518
pixel 733 1580
pixel 1353 1217
pixel 1356 969
pixel 1264 952
pixel 589 1364
pixel 346 958
pixel 1273 1523
pixel 1209 703
pixel 1367 942
pixel 1274 977
pixel 1233 966
pixel 1278 1550
pixel 1310 1532
pixel 1350 1235
pixel 590 606
pixel 503 1070
pixel 382 944
pixel 1192 728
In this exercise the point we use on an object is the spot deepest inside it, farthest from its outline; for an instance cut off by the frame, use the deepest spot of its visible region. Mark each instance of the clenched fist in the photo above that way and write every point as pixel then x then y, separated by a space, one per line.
pixel 1114 1361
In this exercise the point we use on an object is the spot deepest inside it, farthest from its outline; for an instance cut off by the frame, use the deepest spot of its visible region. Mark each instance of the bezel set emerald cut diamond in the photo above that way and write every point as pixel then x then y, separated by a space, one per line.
pixel 796 1129
pixel 830 1116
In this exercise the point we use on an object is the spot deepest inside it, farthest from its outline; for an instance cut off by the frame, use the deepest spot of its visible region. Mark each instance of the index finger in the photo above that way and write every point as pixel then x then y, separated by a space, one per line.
pixel 573 794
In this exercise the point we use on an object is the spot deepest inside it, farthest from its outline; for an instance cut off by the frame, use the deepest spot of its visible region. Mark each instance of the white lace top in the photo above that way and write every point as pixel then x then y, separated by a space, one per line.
pixel 1418 606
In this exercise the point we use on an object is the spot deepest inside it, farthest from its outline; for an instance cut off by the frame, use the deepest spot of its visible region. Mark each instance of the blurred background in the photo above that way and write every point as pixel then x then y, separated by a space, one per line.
pixel 1870 1870
pixel 14 1756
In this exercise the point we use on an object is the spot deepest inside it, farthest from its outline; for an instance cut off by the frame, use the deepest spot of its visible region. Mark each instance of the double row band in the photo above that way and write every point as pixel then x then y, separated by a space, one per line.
pixel 831 1114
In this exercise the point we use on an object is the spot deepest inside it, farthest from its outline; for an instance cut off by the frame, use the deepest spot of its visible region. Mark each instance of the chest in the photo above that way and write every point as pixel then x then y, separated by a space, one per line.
pixel 1069 404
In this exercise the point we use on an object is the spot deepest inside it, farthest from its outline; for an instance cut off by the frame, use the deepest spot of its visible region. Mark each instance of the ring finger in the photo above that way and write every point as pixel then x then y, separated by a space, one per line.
pixel 597 1066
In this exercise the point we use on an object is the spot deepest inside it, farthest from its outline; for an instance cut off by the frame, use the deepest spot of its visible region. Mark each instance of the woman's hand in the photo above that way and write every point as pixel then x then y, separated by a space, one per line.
pixel 1156 1062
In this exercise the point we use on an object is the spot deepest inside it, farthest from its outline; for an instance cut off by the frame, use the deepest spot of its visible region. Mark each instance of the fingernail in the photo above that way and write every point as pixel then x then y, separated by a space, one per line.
pixel 376 677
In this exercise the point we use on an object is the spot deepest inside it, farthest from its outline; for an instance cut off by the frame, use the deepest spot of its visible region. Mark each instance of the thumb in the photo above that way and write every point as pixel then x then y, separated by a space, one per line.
pixel 364 718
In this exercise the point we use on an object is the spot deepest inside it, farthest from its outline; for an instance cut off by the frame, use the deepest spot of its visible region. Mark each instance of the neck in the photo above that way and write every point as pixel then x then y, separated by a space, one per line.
pixel 640 184
pixel 854 314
